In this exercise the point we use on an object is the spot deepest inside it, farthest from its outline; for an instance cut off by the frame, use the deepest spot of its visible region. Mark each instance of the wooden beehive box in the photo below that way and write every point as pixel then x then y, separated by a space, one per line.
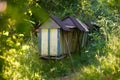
pixel 58 37
pixel 78 36
pixel 50 37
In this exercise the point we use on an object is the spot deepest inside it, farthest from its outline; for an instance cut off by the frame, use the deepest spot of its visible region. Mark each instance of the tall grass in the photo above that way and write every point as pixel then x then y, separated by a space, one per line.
pixel 21 61
pixel 100 60
pixel 102 56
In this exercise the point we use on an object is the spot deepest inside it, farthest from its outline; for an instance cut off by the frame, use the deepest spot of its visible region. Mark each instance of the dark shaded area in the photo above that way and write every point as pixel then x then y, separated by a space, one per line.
pixel 1 66
pixel 93 26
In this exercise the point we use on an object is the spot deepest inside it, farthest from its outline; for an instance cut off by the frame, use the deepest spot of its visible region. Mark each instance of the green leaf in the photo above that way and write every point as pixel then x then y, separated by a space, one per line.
pixel 23 27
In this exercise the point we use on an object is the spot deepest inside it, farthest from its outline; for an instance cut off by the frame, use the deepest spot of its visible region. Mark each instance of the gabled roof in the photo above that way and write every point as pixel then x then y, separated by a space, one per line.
pixel 56 20
pixel 60 23
pixel 76 22
pixel 69 23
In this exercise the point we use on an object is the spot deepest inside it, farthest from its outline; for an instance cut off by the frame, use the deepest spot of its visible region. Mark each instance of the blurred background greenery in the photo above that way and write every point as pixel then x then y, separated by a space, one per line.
pixel 99 60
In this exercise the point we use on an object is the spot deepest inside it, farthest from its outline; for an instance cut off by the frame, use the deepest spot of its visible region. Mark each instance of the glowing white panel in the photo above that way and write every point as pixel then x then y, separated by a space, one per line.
pixel 53 42
pixel 44 42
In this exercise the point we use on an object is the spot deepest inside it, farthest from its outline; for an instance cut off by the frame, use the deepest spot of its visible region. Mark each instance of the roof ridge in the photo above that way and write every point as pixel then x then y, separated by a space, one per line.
pixel 78 25
pixel 60 23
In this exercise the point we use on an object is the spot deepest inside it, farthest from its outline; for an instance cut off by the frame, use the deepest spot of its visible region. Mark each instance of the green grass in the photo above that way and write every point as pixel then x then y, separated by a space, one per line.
pixel 100 60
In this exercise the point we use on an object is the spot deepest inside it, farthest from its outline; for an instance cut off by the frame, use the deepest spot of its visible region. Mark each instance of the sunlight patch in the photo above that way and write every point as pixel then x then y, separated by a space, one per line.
pixel 12 50
pixel 21 35
pixel 6 33
pixel 16 64
pixel 17 44
pixel 25 47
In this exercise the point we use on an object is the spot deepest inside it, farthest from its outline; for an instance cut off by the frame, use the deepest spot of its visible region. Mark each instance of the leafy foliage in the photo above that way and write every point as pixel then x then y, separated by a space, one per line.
pixel 18 46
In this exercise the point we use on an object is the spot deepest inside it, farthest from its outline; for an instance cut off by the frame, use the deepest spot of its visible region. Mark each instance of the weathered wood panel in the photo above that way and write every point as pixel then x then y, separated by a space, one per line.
pixel 44 42
pixel 70 40
pixel 80 39
pixel 50 24
pixel 74 41
pixel 77 40
pixel 58 42
pixel 61 42
pixel 65 37
pixel 39 40
pixel 83 40
pixel 64 42
pixel 53 42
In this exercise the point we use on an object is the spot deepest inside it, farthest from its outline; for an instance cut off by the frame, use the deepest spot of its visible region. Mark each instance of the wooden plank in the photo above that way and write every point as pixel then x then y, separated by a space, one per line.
pixel 61 42
pixel 53 42
pixel 49 42
pixel 58 42
pixel 70 41
pixel 77 40
pixel 83 39
pixel 44 42
pixel 67 38
pixel 73 40
pixel 76 46
pixel 80 39
pixel 39 41
pixel 85 42
pixel 64 43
